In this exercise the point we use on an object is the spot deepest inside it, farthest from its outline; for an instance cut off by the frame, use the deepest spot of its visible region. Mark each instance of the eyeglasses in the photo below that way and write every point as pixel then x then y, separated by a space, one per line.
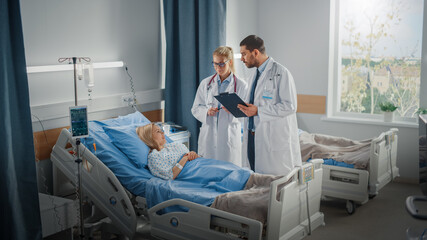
pixel 159 131
pixel 220 64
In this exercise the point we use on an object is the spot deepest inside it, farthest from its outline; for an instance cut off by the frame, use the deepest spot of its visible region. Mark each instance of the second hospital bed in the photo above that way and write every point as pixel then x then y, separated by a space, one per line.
pixel 353 183
pixel 103 181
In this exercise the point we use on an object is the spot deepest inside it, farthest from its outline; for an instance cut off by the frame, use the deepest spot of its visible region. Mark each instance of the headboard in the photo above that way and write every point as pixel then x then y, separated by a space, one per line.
pixel 45 140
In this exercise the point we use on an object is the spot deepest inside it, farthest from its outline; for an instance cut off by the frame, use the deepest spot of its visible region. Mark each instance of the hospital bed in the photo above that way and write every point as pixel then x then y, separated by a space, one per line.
pixel 357 186
pixel 129 215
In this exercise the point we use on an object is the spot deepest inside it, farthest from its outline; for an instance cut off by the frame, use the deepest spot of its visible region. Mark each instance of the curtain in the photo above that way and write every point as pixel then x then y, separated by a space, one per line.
pixel 19 196
pixel 194 29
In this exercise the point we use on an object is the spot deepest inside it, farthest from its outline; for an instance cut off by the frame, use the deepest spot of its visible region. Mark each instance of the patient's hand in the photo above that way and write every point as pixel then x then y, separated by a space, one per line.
pixel 191 155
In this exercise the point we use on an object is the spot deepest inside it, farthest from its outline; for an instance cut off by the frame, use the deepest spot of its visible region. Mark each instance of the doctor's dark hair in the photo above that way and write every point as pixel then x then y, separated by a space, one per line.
pixel 253 42
pixel 145 133
pixel 226 52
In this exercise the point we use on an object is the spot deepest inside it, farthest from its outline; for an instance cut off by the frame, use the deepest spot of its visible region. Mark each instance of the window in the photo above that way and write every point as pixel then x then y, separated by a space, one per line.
pixel 376 57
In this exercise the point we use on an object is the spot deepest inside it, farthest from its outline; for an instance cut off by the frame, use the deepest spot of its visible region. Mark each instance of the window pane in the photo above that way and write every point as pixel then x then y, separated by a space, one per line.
pixel 380 55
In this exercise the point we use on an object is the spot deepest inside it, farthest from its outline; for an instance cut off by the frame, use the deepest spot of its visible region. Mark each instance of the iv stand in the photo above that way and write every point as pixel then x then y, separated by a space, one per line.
pixel 74 60
pixel 79 168
pixel 78 160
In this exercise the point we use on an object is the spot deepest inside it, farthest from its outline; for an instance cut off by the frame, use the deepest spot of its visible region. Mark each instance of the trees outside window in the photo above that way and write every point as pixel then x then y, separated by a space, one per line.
pixel 378 55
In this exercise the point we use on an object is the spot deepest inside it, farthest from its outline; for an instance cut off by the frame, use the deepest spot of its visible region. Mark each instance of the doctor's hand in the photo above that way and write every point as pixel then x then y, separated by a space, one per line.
pixel 212 111
pixel 250 110
pixel 191 155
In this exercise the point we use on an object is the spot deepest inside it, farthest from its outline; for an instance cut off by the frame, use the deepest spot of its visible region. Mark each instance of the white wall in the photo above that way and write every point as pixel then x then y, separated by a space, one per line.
pixel 242 20
pixel 104 30
pixel 296 33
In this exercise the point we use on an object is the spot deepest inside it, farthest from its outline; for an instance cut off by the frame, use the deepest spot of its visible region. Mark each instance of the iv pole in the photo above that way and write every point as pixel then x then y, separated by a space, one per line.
pixel 74 60
pixel 78 160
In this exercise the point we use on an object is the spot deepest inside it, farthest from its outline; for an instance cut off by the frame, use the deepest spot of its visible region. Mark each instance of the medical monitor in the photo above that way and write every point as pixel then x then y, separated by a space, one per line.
pixel 79 122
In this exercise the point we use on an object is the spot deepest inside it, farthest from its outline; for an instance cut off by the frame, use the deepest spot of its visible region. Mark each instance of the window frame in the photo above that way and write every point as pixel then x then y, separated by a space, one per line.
pixel 335 81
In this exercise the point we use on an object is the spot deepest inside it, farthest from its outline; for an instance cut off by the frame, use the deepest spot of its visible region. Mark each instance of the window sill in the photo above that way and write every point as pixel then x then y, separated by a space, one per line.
pixel 370 122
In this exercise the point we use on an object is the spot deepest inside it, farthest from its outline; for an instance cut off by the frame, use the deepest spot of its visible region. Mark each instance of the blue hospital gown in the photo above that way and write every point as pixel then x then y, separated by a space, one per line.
pixel 161 162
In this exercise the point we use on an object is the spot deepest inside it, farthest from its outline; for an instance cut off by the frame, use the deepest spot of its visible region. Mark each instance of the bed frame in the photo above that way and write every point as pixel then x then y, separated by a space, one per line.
pixel 128 215
pixel 356 185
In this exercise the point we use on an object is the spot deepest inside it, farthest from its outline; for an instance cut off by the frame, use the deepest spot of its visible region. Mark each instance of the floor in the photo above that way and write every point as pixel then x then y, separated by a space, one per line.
pixel 383 217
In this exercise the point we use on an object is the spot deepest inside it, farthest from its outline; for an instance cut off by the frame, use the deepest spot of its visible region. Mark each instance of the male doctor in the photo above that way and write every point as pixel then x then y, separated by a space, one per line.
pixel 270 140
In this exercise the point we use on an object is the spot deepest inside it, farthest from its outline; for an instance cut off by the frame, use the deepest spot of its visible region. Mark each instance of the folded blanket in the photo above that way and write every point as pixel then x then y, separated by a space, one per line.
pixel 338 148
pixel 252 201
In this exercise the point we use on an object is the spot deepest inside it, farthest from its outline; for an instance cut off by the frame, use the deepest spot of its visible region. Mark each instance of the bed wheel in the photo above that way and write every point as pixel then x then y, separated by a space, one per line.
pixel 371 196
pixel 350 207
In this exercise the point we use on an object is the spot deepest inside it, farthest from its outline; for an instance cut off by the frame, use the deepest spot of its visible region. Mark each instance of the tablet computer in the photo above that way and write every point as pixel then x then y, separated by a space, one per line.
pixel 79 122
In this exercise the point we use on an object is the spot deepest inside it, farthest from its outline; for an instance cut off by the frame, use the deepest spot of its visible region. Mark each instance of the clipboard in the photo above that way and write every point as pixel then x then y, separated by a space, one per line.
pixel 230 101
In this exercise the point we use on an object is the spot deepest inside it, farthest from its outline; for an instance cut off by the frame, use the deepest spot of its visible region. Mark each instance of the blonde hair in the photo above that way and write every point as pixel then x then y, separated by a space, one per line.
pixel 145 133
pixel 226 52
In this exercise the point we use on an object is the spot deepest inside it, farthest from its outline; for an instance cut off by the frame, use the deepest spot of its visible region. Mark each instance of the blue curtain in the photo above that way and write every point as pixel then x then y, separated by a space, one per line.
pixel 194 29
pixel 19 198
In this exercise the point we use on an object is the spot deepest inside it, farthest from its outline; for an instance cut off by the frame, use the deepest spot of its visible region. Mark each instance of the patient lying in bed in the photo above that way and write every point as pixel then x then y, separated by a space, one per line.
pixel 244 193
pixel 165 160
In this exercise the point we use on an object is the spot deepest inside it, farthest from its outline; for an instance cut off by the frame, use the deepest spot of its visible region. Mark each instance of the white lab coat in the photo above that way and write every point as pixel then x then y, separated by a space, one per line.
pixel 220 135
pixel 277 149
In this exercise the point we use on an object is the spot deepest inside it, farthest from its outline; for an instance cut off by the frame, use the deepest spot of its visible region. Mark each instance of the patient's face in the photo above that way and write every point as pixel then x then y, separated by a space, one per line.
pixel 158 136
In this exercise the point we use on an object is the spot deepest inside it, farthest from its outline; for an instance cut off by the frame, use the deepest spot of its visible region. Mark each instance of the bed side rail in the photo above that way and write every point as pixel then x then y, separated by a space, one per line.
pixel 345 183
pixel 287 216
pixel 382 163
pixel 201 222
pixel 99 184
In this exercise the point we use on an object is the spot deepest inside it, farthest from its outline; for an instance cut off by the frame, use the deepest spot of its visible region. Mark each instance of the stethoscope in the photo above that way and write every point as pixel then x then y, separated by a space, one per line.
pixel 212 80
pixel 275 70
pixel 276 75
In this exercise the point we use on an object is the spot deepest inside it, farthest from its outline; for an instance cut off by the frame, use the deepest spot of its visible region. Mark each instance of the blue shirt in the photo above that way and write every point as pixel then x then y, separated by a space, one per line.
pixel 262 67
pixel 222 86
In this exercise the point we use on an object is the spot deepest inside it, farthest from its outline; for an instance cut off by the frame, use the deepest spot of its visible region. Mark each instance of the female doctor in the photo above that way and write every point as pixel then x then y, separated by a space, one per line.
pixel 220 135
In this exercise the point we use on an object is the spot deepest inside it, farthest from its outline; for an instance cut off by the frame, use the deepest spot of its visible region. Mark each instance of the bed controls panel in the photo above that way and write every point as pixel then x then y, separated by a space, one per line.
pixel 306 173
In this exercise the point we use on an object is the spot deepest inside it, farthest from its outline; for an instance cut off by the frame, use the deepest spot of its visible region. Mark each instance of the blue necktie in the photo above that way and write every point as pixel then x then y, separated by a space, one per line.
pixel 251 137
pixel 251 100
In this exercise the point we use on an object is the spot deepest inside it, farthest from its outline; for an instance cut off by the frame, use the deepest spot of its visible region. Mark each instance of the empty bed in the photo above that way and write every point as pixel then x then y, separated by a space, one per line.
pixel 353 170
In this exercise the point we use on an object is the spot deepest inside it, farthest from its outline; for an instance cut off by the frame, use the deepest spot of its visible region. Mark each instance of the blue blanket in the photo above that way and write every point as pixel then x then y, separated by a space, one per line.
pixel 200 181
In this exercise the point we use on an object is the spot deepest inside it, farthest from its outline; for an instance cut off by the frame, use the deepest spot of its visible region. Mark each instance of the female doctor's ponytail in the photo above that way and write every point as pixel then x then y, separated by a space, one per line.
pixel 226 52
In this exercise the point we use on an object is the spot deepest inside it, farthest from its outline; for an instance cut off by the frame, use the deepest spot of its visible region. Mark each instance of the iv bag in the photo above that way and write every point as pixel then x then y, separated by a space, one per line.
pixel 88 75
pixel 79 70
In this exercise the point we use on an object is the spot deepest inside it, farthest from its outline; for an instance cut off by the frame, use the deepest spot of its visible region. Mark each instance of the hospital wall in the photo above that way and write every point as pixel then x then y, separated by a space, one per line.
pixel 242 20
pixel 105 31
pixel 297 35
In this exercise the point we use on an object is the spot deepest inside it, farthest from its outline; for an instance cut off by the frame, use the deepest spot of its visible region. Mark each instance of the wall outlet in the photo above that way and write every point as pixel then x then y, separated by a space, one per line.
pixel 128 100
